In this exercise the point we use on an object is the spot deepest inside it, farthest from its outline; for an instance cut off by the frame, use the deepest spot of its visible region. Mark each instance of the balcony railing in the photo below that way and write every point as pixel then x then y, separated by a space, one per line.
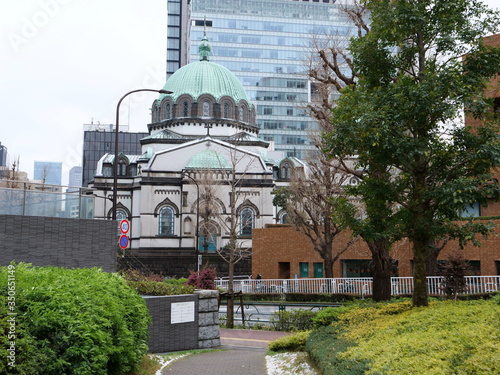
pixel 35 199
pixel 361 286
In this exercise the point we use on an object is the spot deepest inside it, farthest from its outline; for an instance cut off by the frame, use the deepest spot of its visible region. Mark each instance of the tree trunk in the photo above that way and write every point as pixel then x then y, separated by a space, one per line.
pixel 230 298
pixel 420 247
pixel 382 263
pixel 432 255
pixel 328 264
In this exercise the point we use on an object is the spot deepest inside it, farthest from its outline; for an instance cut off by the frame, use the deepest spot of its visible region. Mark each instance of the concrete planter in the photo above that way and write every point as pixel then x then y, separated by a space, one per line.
pixel 183 322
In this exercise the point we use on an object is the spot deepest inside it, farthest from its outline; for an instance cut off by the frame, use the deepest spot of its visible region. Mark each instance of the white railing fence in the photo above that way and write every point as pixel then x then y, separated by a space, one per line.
pixel 360 286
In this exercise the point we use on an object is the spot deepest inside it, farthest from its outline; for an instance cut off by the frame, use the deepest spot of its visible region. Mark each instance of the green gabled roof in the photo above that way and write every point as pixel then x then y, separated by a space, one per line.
pixel 208 159
pixel 165 134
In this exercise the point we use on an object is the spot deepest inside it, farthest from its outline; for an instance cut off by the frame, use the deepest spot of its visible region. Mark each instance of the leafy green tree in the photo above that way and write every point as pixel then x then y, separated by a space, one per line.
pixel 331 69
pixel 402 117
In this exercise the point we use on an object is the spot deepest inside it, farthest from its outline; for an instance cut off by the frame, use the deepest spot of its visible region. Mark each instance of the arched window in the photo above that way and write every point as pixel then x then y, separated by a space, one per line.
pixel 167 111
pixel 284 218
pixel 285 171
pixel 121 215
pixel 122 167
pixel 206 109
pixel 185 109
pixel 247 217
pixel 166 222
pixel 226 110
pixel 241 114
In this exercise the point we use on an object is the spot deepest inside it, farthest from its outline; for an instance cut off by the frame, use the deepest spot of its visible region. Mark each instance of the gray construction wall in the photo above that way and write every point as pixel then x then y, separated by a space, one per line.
pixel 60 242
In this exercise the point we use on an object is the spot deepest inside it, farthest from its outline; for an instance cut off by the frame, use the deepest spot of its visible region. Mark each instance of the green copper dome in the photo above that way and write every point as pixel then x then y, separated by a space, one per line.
pixel 208 159
pixel 205 77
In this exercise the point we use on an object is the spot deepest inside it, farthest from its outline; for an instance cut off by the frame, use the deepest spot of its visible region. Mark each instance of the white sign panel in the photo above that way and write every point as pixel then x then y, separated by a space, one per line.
pixel 182 312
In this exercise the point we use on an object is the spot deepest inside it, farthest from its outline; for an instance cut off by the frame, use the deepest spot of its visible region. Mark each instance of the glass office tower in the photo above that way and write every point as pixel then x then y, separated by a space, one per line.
pixel 266 44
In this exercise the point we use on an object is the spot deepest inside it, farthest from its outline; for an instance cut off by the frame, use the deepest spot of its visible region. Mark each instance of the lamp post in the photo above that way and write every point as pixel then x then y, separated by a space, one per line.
pixel 115 164
pixel 184 174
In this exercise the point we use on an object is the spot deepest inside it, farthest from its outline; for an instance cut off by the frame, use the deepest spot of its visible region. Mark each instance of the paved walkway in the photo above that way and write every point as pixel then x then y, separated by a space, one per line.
pixel 244 354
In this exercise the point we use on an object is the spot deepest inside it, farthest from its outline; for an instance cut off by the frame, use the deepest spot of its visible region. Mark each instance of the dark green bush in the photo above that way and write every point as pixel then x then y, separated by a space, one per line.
pixel 329 315
pixel 293 320
pixel 74 321
pixel 296 342
pixel 324 346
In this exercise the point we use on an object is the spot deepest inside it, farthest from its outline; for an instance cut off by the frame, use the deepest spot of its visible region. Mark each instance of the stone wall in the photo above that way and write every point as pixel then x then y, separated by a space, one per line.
pixel 59 242
pixel 199 330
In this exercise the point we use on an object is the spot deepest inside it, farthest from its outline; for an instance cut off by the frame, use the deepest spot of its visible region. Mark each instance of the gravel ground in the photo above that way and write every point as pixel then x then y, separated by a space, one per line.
pixel 289 364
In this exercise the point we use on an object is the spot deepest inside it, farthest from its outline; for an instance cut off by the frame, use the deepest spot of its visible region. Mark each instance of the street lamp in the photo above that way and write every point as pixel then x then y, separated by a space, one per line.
pixel 115 164
pixel 184 174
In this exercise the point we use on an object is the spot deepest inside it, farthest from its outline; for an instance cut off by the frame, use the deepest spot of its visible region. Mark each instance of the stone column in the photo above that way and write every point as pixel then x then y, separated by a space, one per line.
pixel 208 318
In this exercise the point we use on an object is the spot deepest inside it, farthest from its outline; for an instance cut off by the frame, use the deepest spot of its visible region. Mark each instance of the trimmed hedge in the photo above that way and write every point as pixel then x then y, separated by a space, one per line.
pixel 296 342
pixel 300 297
pixel 72 321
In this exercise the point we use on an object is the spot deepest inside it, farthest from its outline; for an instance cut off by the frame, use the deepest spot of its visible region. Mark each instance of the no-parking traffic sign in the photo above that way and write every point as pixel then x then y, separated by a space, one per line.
pixel 124 241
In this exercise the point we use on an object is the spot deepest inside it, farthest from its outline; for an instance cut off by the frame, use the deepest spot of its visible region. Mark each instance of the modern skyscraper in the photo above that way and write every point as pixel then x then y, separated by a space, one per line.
pixel 49 172
pixel 99 140
pixel 267 45
pixel 3 155
pixel 75 177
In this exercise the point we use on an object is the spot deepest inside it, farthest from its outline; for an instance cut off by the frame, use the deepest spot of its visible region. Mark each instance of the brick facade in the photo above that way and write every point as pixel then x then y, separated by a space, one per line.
pixel 278 245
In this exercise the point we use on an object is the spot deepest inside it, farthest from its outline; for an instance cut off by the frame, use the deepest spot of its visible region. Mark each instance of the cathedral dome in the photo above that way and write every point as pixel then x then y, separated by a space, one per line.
pixel 205 95
pixel 205 77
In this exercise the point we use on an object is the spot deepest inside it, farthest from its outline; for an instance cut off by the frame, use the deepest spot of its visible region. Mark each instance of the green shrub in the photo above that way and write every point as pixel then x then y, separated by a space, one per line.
pixel 74 321
pixel 155 285
pixel 172 281
pixel 325 345
pixel 155 288
pixel 329 315
pixel 296 342
pixel 395 339
pixel 293 320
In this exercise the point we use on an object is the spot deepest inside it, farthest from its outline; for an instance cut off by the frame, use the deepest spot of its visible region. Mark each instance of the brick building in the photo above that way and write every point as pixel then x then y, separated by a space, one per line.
pixel 281 252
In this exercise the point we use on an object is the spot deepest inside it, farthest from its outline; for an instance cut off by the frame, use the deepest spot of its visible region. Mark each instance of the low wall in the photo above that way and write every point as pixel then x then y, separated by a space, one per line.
pixel 183 322
pixel 59 242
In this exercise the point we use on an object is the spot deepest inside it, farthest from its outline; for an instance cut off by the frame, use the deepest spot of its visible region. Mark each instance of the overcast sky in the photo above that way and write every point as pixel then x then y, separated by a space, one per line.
pixel 65 63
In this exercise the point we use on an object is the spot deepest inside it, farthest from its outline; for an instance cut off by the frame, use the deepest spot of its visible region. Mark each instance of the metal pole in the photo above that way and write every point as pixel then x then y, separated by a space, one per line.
pixel 115 162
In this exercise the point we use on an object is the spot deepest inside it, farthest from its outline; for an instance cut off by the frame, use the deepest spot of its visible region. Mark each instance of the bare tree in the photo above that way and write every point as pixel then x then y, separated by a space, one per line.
pixel 225 197
pixel 313 202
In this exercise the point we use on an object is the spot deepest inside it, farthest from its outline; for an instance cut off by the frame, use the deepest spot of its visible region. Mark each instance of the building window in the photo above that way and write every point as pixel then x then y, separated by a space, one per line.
pixel 206 109
pixel 226 110
pixel 166 222
pixel 284 218
pixel 122 167
pixel 121 215
pixel 167 111
pixel 242 119
pixel 247 217
pixel 185 109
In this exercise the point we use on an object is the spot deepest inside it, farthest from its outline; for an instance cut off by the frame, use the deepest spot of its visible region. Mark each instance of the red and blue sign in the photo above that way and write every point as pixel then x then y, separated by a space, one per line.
pixel 124 241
